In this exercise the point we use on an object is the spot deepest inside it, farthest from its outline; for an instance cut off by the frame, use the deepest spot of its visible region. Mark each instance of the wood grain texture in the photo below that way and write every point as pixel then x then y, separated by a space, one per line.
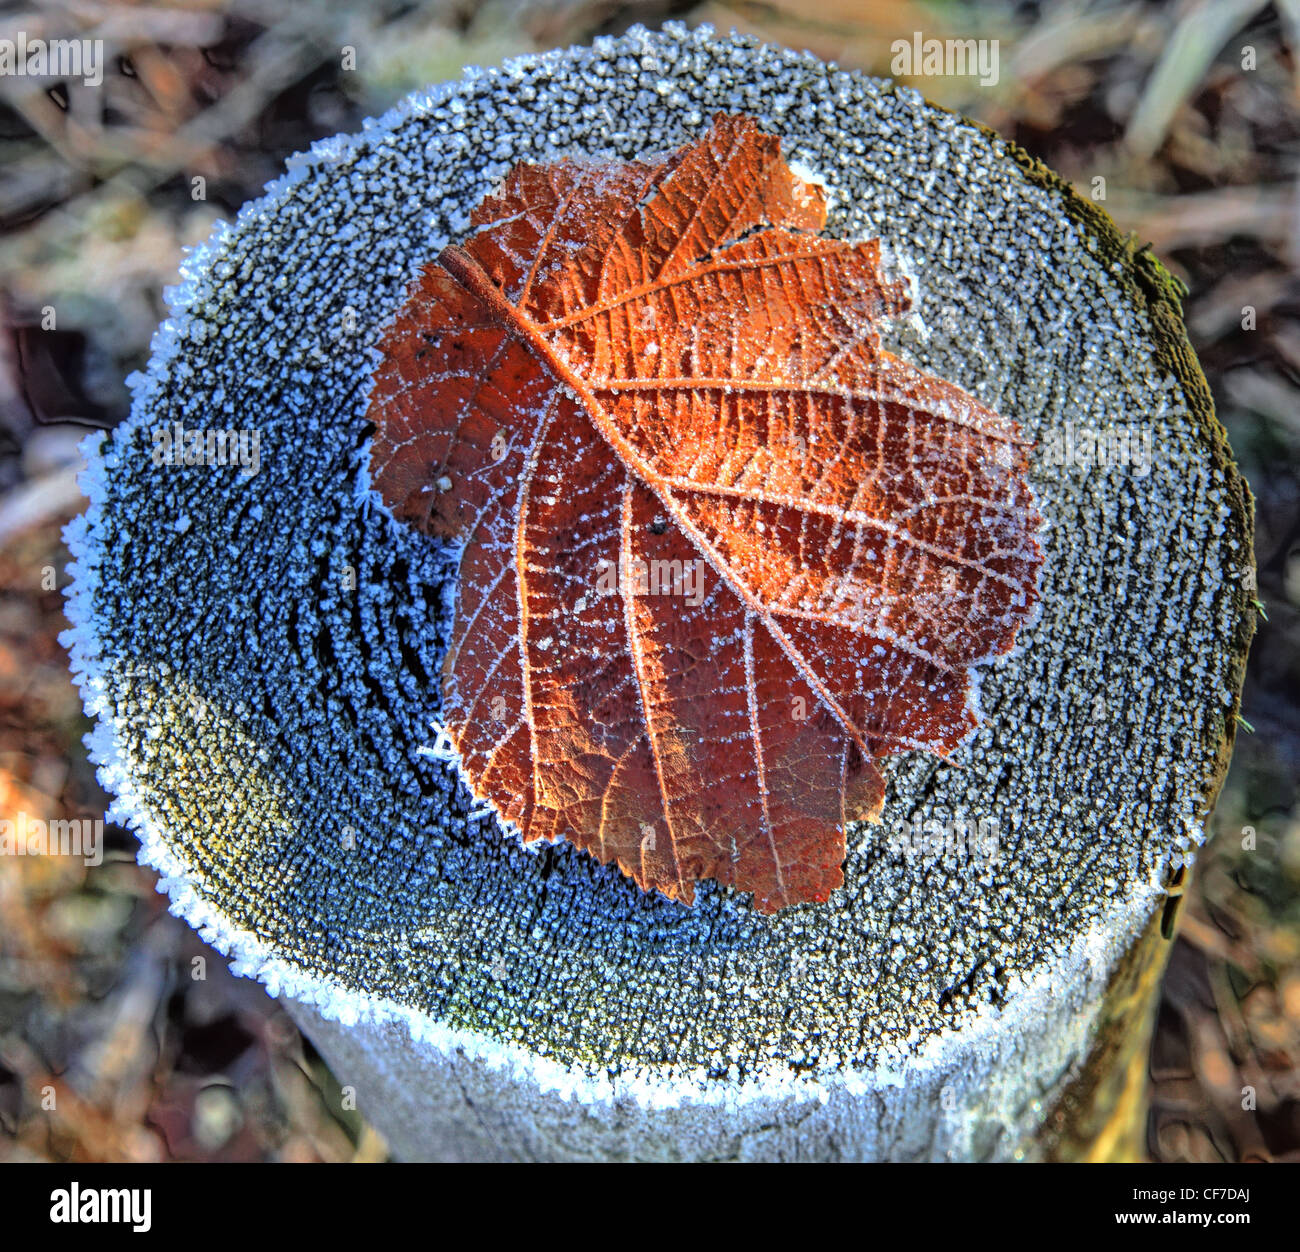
pixel 262 656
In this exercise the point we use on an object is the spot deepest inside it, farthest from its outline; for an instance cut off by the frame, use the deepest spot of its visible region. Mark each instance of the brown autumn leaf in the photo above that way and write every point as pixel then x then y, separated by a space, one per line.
pixel 721 551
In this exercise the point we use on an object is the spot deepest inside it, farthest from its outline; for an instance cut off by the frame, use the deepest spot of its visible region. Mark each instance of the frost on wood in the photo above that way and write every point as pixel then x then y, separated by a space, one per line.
pixel 662 366
pixel 266 682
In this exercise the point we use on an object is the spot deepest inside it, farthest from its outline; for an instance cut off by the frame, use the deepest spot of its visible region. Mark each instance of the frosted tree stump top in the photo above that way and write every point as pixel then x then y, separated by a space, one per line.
pixel 261 650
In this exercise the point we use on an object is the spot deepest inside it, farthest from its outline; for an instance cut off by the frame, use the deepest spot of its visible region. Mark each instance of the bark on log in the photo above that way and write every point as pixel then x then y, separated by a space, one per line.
pixel 261 652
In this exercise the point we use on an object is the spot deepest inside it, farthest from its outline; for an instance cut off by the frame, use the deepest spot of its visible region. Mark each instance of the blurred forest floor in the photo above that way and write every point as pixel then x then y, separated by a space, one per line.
pixel 1190 112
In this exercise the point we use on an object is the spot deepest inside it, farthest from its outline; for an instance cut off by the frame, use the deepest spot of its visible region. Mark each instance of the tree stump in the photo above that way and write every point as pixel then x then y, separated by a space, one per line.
pixel 260 646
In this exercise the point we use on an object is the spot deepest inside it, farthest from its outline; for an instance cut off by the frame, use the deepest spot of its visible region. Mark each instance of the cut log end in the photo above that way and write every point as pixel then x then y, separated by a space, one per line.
pixel 265 680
